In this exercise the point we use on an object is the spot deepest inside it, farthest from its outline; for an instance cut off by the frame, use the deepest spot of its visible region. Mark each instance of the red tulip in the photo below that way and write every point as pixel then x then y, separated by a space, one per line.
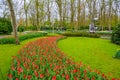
pixel 36 66
pixel 67 77
pixel 113 79
pixel 29 77
pixel 20 70
pixel 24 75
pixel 75 78
pixel 41 75
pixel 16 79
pixel 75 71
pixel 63 75
pixel 103 75
pixel 10 76
pixel 57 73
pixel 85 71
pixel 93 78
pixel 54 78
pixel 36 74
pixel 13 68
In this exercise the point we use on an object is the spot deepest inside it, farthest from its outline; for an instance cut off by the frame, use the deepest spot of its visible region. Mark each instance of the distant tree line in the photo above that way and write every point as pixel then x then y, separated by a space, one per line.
pixel 65 13
pixel 69 14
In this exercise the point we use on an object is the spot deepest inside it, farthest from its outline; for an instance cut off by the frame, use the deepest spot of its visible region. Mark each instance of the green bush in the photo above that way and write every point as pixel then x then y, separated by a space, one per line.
pixel 116 35
pixel 83 27
pixel 21 28
pixel 31 35
pixel 104 32
pixel 7 40
pixel 5 26
pixel 31 28
pixel 82 34
pixel 117 55
pixel 11 40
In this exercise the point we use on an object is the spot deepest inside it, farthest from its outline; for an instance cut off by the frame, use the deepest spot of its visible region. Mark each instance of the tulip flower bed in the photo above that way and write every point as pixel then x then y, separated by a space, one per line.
pixel 42 60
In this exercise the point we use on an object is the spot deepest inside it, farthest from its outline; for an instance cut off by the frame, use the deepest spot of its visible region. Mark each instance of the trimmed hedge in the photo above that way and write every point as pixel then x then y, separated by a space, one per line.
pixel 116 35
pixel 81 34
pixel 104 33
pixel 7 40
pixel 11 40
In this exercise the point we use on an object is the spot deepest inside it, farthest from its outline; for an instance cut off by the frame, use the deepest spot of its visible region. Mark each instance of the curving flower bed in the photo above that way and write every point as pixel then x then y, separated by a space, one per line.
pixel 42 60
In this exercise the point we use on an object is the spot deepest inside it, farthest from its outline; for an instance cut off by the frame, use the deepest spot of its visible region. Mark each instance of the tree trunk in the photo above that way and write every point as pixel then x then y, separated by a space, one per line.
pixel 110 15
pixel 78 14
pixel 37 14
pixel 72 10
pixel 26 21
pixel 59 3
pixel 25 9
pixel 48 10
pixel 13 20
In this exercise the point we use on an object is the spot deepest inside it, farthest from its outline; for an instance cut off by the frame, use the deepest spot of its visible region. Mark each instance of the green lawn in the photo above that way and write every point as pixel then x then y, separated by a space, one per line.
pixel 95 52
pixel 6 53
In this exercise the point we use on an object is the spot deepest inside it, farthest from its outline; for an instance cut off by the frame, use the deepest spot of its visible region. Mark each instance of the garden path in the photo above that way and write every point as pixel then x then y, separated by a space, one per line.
pixel 4 36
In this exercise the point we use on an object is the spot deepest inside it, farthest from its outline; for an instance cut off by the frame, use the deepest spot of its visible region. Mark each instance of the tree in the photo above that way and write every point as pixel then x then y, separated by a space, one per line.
pixel 48 10
pixel 110 14
pixel 13 20
pixel 37 14
pixel 26 11
pixel 92 9
pixel 102 13
pixel 72 10
pixel 78 14
pixel 59 4
pixel 75 13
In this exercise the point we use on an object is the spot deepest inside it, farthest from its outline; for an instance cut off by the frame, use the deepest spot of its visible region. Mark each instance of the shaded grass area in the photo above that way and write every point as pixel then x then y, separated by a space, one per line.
pixel 96 53
pixel 6 53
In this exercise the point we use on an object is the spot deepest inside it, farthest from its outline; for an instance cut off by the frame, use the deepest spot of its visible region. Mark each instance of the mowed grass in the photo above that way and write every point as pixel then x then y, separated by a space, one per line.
pixel 94 52
pixel 6 53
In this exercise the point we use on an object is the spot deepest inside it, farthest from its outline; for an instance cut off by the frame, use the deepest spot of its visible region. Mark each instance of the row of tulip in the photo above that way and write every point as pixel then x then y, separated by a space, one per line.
pixel 42 60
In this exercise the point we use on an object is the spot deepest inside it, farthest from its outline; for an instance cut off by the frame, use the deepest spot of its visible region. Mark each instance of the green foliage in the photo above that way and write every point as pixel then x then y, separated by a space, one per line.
pixel 47 22
pixel 116 35
pixel 5 26
pixel 11 40
pixel 82 34
pixel 21 28
pixel 104 28
pixel 69 30
pixel 117 55
pixel 56 23
pixel 83 27
pixel 7 40
pixel 104 32
pixel 33 28
pixel 31 35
